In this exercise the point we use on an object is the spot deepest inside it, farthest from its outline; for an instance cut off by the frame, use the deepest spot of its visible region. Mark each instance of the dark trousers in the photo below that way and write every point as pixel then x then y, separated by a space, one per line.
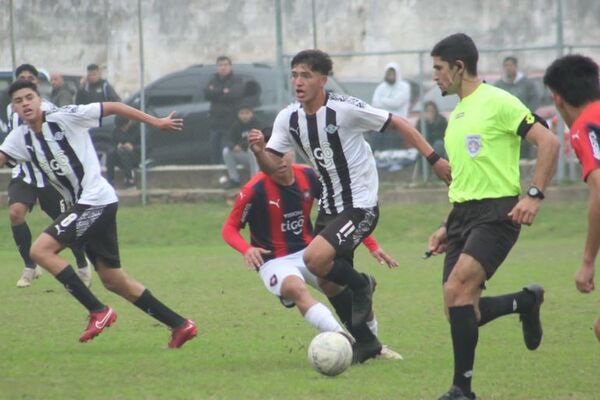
pixel 127 160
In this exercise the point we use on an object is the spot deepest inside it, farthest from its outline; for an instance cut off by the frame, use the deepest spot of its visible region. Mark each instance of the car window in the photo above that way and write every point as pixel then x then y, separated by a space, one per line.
pixel 174 90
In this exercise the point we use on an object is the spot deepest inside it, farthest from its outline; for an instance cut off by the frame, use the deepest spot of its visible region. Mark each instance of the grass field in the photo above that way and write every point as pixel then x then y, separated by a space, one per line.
pixel 249 347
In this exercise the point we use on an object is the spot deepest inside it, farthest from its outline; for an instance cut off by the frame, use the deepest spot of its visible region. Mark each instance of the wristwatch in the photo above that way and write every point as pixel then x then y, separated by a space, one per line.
pixel 535 192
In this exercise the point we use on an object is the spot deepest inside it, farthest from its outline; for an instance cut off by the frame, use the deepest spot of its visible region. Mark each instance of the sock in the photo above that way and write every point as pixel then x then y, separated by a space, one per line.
pixel 22 236
pixel 494 307
pixel 373 325
pixel 154 308
pixel 79 257
pixel 76 287
pixel 343 273
pixel 321 318
pixel 463 326
pixel 342 304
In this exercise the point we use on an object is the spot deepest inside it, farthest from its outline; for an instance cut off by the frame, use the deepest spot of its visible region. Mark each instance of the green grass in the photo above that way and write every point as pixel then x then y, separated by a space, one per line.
pixel 249 347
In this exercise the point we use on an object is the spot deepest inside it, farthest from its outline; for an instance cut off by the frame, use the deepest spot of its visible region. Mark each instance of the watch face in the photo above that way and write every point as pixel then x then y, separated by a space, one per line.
pixel 533 192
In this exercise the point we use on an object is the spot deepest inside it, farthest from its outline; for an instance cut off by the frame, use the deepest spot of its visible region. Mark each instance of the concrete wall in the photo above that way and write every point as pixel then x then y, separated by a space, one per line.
pixel 66 35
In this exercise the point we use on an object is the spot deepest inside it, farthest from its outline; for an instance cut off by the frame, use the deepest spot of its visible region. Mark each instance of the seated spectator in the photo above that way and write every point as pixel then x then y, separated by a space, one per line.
pixel 236 145
pixel 435 125
pixel 61 94
pixel 94 89
pixel 126 154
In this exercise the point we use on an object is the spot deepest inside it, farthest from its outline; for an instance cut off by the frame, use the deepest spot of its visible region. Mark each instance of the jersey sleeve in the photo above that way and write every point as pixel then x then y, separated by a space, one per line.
pixel 587 149
pixel 365 117
pixel 237 220
pixel 84 116
pixel 514 114
pixel 14 147
pixel 280 141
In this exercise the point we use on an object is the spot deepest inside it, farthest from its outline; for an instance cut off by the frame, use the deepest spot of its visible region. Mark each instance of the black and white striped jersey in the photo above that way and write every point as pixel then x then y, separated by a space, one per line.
pixel 63 151
pixel 332 141
pixel 27 171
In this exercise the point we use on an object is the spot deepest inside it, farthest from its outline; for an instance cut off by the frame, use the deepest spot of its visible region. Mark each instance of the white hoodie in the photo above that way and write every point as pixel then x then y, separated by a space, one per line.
pixel 393 98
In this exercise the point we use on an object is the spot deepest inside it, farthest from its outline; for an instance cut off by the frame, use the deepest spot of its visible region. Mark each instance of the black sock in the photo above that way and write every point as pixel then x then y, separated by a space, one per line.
pixel 77 288
pixel 22 236
pixel 463 326
pixel 342 303
pixel 79 257
pixel 343 273
pixel 153 307
pixel 494 307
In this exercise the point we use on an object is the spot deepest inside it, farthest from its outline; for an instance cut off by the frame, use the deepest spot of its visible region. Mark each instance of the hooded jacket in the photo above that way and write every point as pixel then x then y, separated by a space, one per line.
pixel 393 98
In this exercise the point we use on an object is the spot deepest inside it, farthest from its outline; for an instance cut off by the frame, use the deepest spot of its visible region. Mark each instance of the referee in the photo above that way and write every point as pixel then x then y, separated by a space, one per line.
pixel 482 141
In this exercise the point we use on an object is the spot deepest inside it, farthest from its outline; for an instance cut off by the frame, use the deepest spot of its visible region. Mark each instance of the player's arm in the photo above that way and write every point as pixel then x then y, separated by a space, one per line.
pixel 3 159
pixel 548 147
pixel 415 139
pixel 584 279
pixel 378 253
pixel 167 123
pixel 269 157
pixel 232 236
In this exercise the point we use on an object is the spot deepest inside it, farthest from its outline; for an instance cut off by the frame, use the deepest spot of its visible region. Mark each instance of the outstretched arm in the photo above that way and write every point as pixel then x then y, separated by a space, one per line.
pixel 167 123
pixel 412 136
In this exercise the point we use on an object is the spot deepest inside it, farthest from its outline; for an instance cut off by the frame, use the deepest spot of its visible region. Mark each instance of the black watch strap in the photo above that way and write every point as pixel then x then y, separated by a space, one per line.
pixel 535 192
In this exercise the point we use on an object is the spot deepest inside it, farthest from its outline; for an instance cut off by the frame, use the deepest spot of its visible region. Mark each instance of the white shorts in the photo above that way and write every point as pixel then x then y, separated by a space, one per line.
pixel 275 271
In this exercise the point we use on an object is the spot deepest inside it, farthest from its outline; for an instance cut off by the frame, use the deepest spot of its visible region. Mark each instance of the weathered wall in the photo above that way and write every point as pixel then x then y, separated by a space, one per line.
pixel 66 35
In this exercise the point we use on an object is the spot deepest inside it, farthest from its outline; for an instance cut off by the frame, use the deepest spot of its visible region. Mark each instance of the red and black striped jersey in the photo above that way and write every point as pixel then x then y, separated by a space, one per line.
pixel 585 138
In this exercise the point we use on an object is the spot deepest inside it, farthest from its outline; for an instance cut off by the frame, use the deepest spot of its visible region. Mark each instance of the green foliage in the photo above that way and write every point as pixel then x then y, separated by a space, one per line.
pixel 249 347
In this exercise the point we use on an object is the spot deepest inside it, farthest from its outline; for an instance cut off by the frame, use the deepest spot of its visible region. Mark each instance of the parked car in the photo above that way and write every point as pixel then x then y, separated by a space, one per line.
pixel 183 92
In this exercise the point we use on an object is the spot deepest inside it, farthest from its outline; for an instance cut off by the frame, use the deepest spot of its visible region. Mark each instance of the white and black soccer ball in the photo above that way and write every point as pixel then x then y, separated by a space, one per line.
pixel 330 353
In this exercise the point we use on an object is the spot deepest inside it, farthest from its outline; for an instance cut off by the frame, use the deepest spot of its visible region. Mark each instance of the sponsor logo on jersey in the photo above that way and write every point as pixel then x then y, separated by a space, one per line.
pixel 595 142
pixel 293 222
pixel 58 165
pixel 275 203
pixel 473 144
pixel 321 156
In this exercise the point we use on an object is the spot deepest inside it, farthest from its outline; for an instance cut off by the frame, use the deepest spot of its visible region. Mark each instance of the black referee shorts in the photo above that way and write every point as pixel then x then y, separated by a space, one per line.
pixel 483 230
pixel 345 231
pixel 94 227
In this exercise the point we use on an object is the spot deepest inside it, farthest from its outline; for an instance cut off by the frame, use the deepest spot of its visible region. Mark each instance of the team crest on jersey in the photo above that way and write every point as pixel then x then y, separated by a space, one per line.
pixel 60 135
pixel 473 144
pixel 331 129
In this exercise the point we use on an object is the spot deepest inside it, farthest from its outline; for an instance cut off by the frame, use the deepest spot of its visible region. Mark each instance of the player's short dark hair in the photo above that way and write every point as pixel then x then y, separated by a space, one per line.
pixel 513 59
pixel 458 46
pixel 93 67
pixel 28 68
pixel 316 60
pixel 574 78
pixel 20 84
pixel 224 58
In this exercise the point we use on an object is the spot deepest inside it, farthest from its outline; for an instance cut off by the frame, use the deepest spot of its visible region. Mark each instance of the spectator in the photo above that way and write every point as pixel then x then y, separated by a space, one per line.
pixel 236 145
pixel 61 94
pixel 94 89
pixel 434 124
pixel 393 95
pixel 224 91
pixel 517 84
pixel 126 154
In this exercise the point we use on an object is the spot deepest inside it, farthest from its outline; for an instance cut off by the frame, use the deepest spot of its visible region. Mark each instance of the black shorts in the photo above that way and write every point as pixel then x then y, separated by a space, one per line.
pixel 50 200
pixel 483 230
pixel 345 231
pixel 94 227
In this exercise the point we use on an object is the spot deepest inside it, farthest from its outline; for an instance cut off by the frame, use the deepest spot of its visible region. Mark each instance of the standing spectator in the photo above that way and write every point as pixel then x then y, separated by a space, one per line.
pixel 393 95
pixel 236 145
pixel 517 84
pixel 61 94
pixel 94 89
pixel 126 154
pixel 435 126
pixel 224 92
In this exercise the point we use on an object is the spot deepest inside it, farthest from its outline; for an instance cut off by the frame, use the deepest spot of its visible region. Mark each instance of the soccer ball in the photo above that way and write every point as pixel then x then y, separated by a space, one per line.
pixel 330 353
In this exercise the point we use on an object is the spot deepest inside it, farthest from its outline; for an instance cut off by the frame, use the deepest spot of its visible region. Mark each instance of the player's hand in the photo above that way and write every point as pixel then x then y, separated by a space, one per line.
pixel 438 241
pixel 442 170
pixel 170 123
pixel 383 258
pixel 584 278
pixel 256 141
pixel 525 211
pixel 253 257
